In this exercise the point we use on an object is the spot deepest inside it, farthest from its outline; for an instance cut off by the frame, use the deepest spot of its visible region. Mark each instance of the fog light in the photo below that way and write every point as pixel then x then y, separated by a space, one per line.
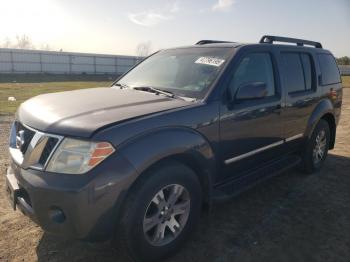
pixel 57 215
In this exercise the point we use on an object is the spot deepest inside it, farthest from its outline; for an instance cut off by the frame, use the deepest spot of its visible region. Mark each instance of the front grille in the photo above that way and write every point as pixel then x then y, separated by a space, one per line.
pixel 41 147
pixel 50 145
pixel 28 136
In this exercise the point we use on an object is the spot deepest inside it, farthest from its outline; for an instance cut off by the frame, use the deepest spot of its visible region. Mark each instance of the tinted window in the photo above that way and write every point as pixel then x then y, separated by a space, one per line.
pixel 307 67
pixel 256 67
pixel 293 76
pixel 329 69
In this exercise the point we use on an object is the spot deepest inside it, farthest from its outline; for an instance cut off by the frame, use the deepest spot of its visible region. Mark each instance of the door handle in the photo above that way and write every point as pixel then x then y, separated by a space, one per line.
pixel 278 107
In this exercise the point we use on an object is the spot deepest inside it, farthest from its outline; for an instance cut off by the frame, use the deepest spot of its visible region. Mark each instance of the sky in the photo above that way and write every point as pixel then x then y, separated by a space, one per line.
pixel 117 27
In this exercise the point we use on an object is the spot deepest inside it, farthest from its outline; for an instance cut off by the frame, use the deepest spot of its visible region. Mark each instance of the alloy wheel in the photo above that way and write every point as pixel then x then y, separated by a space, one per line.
pixel 166 215
pixel 320 147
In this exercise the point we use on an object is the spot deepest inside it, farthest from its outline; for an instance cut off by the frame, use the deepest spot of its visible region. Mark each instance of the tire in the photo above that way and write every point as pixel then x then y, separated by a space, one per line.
pixel 136 236
pixel 314 155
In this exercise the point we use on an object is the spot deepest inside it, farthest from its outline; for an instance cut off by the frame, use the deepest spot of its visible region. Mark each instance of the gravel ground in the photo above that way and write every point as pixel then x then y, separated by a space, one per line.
pixel 292 217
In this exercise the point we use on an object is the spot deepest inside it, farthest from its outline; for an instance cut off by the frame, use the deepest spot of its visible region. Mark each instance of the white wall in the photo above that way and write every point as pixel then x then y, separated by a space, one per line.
pixel 344 69
pixel 18 61
pixel 33 61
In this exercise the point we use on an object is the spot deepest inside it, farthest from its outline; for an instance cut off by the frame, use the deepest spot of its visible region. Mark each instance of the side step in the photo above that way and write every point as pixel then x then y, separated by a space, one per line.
pixel 247 181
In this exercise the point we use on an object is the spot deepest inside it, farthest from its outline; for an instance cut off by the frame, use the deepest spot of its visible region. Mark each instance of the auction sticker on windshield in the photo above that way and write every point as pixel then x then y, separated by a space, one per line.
pixel 213 61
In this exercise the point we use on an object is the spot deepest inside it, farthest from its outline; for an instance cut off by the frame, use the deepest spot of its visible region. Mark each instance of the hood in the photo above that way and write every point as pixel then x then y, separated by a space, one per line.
pixel 81 112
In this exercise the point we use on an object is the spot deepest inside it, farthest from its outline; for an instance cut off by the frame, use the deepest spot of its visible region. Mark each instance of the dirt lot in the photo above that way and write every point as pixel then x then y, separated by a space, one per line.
pixel 292 217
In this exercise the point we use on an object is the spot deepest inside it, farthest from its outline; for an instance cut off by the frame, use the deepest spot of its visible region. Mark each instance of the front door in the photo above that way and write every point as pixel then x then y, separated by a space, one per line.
pixel 251 129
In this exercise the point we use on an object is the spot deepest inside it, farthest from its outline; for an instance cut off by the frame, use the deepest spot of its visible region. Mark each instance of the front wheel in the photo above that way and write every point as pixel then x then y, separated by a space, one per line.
pixel 160 212
pixel 317 146
pixel 166 215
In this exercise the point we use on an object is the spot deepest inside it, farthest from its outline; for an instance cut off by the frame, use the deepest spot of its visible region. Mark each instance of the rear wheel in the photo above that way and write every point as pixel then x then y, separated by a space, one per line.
pixel 160 212
pixel 316 149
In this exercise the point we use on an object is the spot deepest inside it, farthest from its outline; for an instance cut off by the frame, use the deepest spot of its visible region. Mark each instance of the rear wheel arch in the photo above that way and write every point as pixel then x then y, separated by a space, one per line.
pixel 324 110
pixel 316 148
pixel 332 128
pixel 330 119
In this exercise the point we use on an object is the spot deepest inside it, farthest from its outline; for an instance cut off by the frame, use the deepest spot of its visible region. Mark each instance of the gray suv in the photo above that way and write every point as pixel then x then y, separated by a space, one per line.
pixel 139 161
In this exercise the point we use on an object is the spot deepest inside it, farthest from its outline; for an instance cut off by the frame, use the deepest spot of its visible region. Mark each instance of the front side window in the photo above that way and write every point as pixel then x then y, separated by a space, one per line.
pixel 187 72
pixel 254 68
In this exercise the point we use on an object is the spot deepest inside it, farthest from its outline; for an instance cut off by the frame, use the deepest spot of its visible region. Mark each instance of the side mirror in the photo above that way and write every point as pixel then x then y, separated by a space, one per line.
pixel 251 90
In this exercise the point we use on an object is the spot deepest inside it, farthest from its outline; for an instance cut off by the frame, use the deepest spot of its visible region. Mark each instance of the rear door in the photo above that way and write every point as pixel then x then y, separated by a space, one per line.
pixel 251 130
pixel 299 80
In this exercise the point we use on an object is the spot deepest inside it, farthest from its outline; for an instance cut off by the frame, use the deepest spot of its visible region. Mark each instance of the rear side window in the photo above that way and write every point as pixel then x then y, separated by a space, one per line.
pixel 307 67
pixel 329 69
pixel 255 67
pixel 298 74
pixel 294 76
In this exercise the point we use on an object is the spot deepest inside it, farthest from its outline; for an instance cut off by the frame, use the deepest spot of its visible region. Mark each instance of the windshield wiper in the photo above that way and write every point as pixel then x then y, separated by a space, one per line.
pixel 121 85
pixel 156 91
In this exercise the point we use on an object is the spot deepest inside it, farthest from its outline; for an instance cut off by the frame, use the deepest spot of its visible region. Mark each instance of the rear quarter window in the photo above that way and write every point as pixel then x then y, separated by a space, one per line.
pixel 329 69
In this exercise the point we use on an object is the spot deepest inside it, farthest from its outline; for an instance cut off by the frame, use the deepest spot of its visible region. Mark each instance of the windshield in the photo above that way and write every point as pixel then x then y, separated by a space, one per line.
pixel 186 72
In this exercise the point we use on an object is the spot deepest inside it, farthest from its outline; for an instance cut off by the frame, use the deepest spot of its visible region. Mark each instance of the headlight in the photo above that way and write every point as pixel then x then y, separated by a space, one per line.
pixel 75 156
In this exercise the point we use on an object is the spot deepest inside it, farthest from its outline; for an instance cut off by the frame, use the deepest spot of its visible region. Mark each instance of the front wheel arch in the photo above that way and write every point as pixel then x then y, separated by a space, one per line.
pixel 188 160
pixel 184 145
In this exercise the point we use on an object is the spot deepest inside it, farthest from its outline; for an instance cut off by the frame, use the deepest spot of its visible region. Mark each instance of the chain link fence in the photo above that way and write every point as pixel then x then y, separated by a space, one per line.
pixel 344 70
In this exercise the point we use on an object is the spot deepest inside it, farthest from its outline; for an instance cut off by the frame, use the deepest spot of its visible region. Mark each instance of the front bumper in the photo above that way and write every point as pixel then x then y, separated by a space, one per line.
pixel 75 206
pixel 16 195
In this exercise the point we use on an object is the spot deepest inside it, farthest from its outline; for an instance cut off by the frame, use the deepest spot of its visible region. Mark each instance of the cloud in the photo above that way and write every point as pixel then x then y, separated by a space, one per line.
pixel 155 16
pixel 148 18
pixel 174 8
pixel 223 5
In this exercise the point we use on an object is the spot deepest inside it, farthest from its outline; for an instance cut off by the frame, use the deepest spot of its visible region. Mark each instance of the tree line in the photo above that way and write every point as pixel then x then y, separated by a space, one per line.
pixel 23 42
pixel 345 60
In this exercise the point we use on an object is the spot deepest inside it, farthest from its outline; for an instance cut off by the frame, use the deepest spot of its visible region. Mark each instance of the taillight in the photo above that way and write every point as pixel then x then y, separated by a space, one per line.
pixel 333 94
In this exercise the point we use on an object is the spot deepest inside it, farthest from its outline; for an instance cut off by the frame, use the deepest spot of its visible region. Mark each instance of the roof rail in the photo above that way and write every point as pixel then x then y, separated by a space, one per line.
pixel 269 39
pixel 204 42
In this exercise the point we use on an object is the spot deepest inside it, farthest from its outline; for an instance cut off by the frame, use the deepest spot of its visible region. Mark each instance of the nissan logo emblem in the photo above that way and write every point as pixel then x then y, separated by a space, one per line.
pixel 20 139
